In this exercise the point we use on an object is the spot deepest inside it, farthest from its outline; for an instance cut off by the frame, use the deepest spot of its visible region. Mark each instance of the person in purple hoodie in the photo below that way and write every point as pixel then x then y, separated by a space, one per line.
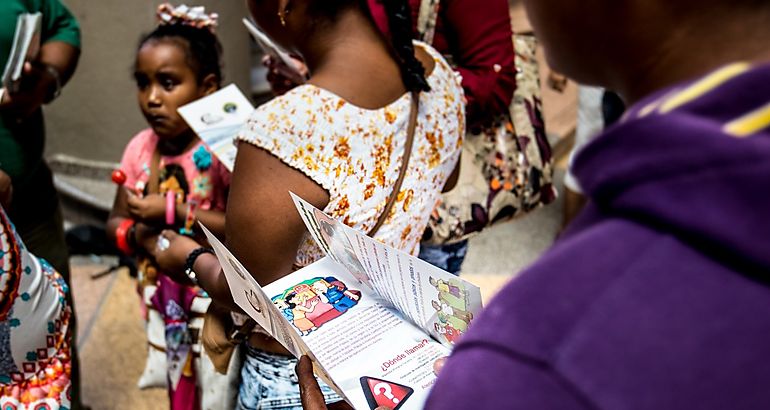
pixel 657 296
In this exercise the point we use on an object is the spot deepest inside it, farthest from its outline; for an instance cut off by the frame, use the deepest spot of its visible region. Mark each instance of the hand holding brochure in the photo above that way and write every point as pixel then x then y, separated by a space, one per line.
pixel 373 319
pixel 217 118
pixel 26 46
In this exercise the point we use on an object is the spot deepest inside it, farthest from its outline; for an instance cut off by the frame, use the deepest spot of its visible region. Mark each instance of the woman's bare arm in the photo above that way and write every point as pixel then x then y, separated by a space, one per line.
pixel 263 228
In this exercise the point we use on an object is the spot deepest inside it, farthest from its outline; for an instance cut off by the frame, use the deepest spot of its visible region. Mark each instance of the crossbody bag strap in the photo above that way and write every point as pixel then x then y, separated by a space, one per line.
pixel 426 20
pixel 153 185
pixel 404 165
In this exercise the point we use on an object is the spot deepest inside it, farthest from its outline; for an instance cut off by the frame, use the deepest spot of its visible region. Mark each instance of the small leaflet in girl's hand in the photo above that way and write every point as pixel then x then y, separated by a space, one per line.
pixel 217 118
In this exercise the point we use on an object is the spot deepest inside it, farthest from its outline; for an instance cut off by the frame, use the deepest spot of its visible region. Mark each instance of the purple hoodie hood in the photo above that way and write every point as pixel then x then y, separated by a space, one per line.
pixel 657 297
pixel 706 186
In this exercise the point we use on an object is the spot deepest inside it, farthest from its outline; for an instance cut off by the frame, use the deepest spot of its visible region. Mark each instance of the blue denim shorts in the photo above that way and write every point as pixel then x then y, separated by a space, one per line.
pixel 268 381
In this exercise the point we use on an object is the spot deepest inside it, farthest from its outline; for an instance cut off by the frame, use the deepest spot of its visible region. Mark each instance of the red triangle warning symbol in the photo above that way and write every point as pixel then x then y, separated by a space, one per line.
pixel 380 392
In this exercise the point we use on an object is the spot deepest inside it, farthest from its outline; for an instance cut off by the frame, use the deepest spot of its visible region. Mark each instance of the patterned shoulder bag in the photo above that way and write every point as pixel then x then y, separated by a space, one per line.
pixel 507 169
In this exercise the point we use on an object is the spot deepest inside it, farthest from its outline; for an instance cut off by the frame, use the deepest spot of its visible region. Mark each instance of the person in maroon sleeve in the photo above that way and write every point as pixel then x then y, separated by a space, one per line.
pixel 475 36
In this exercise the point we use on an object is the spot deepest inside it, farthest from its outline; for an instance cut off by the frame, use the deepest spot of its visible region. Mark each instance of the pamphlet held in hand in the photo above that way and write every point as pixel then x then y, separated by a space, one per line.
pixel 374 319
pixel 26 46
pixel 217 118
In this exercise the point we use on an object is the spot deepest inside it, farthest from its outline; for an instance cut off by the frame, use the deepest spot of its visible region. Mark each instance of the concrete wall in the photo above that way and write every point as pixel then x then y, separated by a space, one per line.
pixel 97 113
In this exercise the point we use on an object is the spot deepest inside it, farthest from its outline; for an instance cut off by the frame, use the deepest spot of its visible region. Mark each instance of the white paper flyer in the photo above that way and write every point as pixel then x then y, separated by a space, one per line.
pixel 26 46
pixel 217 118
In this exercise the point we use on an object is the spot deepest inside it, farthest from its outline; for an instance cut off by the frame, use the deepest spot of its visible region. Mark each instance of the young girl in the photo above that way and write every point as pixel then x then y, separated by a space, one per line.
pixel 171 179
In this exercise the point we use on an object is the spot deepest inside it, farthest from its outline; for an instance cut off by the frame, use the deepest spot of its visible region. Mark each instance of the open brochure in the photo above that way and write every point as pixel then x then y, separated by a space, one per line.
pixel 217 118
pixel 26 46
pixel 373 319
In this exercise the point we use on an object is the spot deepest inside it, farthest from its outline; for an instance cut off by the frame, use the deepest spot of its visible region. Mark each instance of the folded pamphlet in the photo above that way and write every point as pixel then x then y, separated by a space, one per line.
pixel 26 46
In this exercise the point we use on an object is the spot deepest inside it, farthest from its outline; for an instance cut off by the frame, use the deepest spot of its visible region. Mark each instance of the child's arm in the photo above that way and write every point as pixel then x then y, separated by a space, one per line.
pixel 151 210
pixel 118 213
pixel 144 235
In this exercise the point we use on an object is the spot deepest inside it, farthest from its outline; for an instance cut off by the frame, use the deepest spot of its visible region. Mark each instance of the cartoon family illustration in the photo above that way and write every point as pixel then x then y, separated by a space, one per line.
pixel 451 309
pixel 313 302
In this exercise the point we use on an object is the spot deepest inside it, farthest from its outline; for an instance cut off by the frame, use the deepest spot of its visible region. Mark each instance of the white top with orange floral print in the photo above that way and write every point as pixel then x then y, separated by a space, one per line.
pixel 356 153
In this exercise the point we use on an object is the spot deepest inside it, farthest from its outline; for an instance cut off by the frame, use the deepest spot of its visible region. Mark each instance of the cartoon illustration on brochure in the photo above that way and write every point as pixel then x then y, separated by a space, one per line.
pixel 310 304
pixel 451 307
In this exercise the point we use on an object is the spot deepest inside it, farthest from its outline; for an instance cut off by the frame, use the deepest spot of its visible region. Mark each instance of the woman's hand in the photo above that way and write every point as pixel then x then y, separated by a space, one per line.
pixel 310 392
pixel 281 77
pixel 438 365
pixel 170 253
pixel 151 208
pixel 36 83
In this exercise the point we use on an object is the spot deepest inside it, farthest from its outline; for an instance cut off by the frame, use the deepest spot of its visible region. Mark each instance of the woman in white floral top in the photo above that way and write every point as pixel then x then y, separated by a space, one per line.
pixel 355 153
pixel 337 142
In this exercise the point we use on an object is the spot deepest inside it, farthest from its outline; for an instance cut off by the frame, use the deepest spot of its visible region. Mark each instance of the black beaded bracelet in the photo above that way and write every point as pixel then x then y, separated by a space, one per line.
pixel 188 265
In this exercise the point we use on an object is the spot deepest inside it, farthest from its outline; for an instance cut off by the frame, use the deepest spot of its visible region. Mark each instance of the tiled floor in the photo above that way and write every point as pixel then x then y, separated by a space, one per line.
pixel 112 342
pixel 501 252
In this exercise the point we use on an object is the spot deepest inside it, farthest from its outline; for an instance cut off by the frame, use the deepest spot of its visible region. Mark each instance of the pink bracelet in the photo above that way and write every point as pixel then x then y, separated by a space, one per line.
pixel 170 208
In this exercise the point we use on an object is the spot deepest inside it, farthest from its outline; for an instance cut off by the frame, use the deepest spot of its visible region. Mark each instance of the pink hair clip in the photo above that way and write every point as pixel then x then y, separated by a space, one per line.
pixel 189 16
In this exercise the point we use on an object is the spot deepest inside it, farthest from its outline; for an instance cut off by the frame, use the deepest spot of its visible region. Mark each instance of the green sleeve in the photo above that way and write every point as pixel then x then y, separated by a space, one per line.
pixel 58 23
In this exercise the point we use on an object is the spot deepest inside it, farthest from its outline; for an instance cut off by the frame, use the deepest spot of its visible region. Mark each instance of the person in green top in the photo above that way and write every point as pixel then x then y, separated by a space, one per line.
pixel 35 209
pixel 35 206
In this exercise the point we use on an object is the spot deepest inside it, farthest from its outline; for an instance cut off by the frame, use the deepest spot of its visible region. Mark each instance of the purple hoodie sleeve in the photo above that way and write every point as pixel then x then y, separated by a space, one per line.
pixel 527 384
